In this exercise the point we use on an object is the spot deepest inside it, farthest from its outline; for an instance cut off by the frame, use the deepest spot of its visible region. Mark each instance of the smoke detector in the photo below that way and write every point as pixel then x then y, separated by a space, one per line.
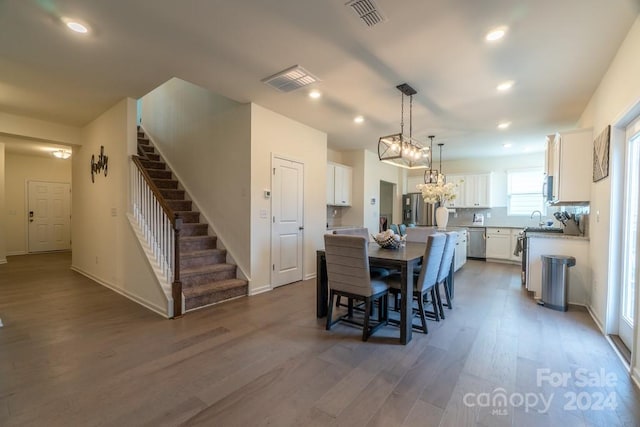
pixel 290 79
pixel 367 11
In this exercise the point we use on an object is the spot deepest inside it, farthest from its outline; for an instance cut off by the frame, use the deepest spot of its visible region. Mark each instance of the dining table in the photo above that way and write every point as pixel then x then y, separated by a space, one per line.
pixel 404 259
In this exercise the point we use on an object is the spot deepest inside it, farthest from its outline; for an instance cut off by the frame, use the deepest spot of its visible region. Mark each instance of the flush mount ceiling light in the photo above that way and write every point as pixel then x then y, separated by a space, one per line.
pixel 290 79
pixel 315 94
pixel 505 86
pixel 431 175
pixel 75 25
pixel 61 154
pixel 507 145
pixel 398 149
pixel 359 119
pixel 504 125
pixel 496 34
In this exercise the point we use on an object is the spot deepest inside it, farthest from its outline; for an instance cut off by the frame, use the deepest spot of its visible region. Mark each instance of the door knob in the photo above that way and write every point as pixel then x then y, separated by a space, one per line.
pixel 300 228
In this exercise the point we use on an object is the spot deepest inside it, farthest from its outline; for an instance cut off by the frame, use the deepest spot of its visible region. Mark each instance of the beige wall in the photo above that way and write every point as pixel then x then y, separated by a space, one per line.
pixel 3 245
pixel 12 124
pixel 273 134
pixel 18 170
pixel 205 138
pixel 616 101
pixel 104 245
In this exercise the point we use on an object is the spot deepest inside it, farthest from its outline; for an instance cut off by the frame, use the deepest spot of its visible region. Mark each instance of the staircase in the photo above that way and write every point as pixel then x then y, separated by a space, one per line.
pixel 205 275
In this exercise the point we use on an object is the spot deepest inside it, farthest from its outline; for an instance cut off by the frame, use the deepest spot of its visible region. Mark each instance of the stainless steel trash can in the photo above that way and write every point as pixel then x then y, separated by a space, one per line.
pixel 555 280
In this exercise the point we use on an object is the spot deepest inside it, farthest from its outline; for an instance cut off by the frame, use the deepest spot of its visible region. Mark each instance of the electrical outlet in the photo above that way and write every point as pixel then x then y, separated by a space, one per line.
pixel 455 214
pixel 488 214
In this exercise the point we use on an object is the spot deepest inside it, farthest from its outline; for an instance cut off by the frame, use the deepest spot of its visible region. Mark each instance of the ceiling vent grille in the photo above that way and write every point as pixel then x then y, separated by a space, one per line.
pixel 367 11
pixel 290 79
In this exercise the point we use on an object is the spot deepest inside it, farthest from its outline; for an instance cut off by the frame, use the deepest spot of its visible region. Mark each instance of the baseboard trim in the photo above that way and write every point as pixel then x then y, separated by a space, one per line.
pixel 3 260
pixel 595 319
pixel 260 290
pixel 162 311
pixel 16 253
pixel 635 376
pixel 310 276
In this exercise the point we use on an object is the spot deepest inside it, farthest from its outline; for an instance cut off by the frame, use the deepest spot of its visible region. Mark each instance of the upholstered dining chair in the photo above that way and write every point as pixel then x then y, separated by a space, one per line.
pixel 348 275
pixel 402 228
pixel 445 269
pixel 424 282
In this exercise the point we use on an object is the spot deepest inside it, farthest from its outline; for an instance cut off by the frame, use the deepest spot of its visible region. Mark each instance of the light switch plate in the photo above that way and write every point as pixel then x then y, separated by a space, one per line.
pixel 263 213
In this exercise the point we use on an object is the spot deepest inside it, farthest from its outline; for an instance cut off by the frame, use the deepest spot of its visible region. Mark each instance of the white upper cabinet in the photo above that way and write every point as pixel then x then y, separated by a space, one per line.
pixel 339 185
pixel 569 158
pixel 473 191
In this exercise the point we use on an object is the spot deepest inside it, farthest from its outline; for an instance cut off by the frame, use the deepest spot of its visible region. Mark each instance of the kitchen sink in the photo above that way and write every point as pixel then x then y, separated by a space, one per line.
pixel 542 230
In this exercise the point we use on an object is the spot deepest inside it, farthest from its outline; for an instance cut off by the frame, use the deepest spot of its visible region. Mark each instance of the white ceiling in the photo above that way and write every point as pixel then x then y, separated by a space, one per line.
pixel 556 50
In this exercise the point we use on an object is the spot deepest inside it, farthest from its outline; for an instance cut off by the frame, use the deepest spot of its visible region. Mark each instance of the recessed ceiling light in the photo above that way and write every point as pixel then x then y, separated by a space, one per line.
pixel 504 125
pixel 75 26
pixel 496 34
pixel 359 119
pixel 507 145
pixel 505 86
pixel 315 94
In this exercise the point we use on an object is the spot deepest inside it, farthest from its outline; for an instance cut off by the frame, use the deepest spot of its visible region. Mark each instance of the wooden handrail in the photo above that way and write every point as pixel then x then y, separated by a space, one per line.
pixel 176 223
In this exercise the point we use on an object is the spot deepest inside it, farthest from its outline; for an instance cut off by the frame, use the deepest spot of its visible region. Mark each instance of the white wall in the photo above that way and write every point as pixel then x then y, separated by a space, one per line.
pixel 18 170
pixel 3 245
pixel 206 140
pixel 104 246
pixel 274 134
pixel 612 103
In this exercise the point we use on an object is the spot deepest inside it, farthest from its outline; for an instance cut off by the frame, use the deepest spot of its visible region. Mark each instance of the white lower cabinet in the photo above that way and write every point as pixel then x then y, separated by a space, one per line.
pixel 498 243
pixel 461 250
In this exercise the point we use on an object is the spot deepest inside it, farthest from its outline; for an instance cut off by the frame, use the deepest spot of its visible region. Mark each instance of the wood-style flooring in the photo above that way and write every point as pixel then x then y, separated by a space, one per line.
pixel 73 353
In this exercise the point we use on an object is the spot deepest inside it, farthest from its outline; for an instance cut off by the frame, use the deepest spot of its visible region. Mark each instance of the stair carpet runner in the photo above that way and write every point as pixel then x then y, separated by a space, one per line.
pixel 206 277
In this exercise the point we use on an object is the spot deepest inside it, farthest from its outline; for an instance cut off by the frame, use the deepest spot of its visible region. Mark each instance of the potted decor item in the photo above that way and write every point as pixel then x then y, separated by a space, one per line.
pixel 439 193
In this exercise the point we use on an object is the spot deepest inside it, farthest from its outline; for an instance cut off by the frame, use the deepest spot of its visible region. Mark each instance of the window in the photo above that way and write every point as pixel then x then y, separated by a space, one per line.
pixel 524 191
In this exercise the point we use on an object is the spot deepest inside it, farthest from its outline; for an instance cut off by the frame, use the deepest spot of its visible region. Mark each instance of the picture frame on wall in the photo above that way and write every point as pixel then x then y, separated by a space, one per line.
pixel 601 155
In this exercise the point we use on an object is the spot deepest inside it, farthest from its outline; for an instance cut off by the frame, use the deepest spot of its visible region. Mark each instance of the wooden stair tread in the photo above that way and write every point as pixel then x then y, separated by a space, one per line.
pixel 212 268
pixel 218 285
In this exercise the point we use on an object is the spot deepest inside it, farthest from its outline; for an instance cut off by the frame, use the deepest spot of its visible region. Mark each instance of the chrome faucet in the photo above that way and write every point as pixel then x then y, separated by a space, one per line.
pixel 540 223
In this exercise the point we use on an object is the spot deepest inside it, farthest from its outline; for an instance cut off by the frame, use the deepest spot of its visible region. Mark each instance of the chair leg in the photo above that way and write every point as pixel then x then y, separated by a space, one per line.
pixel 367 314
pixel 330 311
pixel 434 304
pixel 350 307
pixel 338 301
pixel 447 294
pixel 423 319
pixel 440 309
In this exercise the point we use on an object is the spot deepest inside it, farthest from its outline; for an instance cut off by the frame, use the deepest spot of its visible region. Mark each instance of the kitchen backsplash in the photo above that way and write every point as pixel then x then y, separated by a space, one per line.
pixel 334 216
pixel 499 217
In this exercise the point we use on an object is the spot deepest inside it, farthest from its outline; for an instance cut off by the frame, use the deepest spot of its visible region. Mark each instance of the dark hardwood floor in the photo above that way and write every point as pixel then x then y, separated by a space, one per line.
pixel 73 353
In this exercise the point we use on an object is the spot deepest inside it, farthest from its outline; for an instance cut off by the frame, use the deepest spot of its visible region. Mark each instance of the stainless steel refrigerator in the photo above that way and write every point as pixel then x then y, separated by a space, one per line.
pixel 415 211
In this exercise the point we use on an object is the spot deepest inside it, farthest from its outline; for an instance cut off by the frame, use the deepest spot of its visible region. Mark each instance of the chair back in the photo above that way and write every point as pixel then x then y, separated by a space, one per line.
pixel 395 229
pixel 447 257
pixel 419 234
pixel 348 263
pixel 403 229
pixel 431 262
pixel 356 231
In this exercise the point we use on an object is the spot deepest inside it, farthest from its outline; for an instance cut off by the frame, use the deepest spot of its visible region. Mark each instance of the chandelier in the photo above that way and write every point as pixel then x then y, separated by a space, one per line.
pixel 431 175
pixel 400 150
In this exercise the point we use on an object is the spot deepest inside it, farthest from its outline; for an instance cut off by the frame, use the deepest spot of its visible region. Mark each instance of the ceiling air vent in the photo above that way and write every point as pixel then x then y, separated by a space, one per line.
pixel 290 79
pixel 367 11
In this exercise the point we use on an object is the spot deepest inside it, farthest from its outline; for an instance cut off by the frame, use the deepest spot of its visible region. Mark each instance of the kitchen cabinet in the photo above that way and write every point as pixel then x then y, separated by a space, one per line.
pixel 339 184
pixel 549 244
pixel 473 191
pixel 498 243
pixel 461 250
pixel 569 163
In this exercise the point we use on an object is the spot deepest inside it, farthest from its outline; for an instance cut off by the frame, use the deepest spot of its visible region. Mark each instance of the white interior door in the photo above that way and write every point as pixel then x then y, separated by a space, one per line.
pixel 49 216
pixel 630 253
pixel 287 202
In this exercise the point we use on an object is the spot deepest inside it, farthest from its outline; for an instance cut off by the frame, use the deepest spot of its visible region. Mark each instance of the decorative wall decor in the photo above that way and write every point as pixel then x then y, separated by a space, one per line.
pixel 101 165
pixel 601 155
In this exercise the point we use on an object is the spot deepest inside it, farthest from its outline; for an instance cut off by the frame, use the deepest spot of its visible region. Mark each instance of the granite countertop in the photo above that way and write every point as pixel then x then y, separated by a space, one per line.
pixel 556 236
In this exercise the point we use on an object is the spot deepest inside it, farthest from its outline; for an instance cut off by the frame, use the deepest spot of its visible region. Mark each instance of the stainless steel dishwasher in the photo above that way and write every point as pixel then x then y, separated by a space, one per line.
pixel 476 243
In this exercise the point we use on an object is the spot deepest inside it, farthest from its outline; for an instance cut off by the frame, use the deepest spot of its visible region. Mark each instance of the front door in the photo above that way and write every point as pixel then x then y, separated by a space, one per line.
pixel 49 216
pixel 287 204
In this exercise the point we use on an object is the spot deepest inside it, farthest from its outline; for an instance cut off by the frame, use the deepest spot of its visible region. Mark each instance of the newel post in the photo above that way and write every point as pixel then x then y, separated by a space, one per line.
pixel 176 288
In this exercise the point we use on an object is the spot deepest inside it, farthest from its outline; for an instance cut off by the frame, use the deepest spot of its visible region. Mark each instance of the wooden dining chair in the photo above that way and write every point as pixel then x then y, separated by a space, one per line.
pixel 424 283
pixel 348 275
pixel 445 269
